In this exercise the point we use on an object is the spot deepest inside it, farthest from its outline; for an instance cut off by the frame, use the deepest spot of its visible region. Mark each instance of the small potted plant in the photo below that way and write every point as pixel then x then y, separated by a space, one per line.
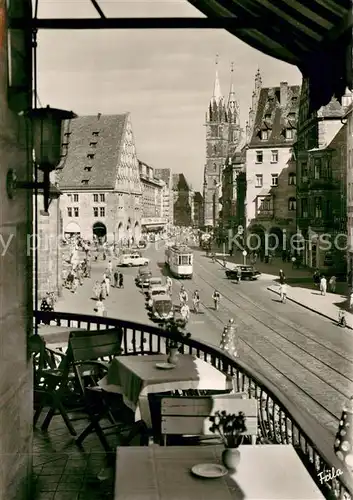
pixel 173 345
pixel 230 428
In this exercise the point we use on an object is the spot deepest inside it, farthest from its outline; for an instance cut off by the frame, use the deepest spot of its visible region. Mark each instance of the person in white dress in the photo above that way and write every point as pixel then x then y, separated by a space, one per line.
pixel 100 307
pixel 323 285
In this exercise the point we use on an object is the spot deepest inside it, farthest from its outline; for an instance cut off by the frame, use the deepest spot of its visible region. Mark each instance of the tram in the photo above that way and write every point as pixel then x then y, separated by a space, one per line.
pixel 179 259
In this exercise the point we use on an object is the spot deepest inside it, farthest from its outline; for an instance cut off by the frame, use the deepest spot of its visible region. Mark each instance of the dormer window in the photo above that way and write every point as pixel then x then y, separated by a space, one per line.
pixel 289 133
pixel 90 156
pixel 264 135
pixel 67 134
pixel 93 144
pixel 95 134
pixel 84 182
pixel 88 169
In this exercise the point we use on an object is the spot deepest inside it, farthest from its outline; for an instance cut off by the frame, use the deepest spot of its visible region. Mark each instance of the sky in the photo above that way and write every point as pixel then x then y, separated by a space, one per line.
pixel 164 78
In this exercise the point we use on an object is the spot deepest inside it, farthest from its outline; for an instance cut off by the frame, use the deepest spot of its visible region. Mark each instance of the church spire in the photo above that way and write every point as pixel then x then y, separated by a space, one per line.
pixel 217 93
pixel 233 108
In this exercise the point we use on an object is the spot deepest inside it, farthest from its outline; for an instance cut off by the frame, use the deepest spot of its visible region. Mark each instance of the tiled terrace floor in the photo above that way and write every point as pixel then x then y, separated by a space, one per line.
pixel 64 472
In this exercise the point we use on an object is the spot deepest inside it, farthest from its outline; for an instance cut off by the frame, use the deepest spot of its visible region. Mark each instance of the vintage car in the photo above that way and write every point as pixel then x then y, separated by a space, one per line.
pixel 162 308
pixel 143 277
pixel 247 273
pixel 154 291
pixel 154 281
pixel 133 259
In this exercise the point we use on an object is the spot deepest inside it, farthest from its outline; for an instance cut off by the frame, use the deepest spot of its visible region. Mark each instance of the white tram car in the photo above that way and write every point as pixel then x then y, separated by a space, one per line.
pixel 179 259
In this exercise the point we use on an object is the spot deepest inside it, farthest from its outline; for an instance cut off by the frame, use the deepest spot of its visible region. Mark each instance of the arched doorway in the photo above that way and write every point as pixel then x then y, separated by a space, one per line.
pixel 255 239
pixel 136 232
pixel 275 240
pixel 99 231
pixel 72 229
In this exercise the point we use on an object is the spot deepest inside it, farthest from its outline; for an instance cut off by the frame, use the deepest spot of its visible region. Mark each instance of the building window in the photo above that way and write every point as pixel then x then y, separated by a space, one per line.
pixel 95 198
pixel 304 171
pixel 292 204
pixel 215 148
pixel 259 157
pixel 215 182
pixel 84 182
pixel 289 133
pixel 214 167
pixel 93 144
pixel 76 198
pixel 259 180
pixel 95 211
pixel 69 197
pixel 317 168
pixel 76 212
pixel 102 211
pixel 88 169
pixel 292 179
pixel 318 208
pixel 102 198
pixel 90 156
pixel 274 156
pixel 69 211
pixel 274 180
pixel 304 204
pixel 264 135
pixel 329 168
pixel 95 134
pixel 328 209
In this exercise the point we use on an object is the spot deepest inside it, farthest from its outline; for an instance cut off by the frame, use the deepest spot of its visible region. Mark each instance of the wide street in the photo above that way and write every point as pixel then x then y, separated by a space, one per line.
pixel 308 357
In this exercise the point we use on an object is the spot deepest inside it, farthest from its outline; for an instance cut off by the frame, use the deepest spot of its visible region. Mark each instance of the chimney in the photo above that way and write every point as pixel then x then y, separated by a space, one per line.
pixel 99 115
pixel 283 93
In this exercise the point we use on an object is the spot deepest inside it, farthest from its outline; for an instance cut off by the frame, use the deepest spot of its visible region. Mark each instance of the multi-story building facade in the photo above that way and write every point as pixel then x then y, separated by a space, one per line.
pixel 349 130
pixel 152 200
pixel 230 202
pixel 198 209
pixel 101 180
pixel 321 188
pixel 223 135
pixel 270 175
pixel 165 175
pixel 183 201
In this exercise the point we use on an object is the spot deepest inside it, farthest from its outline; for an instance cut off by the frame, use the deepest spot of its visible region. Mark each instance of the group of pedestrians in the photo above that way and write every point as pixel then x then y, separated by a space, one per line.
pixel 101 289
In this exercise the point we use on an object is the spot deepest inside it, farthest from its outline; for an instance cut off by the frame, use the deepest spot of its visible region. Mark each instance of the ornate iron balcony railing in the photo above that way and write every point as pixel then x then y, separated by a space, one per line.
pixel 280 421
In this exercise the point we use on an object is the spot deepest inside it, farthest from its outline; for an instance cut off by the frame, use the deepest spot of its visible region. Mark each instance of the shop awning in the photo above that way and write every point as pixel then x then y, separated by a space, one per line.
pixel 315 35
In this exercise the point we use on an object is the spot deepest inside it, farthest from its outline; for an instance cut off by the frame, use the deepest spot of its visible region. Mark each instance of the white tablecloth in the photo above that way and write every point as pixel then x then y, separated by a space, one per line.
pixel 265 472
pixel 137 376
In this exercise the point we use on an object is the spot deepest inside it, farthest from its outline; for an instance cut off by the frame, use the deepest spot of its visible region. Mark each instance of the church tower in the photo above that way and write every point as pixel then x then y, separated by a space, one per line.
pixel 222 138
pixel 216 151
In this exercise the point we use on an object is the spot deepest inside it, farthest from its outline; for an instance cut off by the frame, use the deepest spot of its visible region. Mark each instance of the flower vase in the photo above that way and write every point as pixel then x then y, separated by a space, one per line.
pixel 173 356
pixel 231 458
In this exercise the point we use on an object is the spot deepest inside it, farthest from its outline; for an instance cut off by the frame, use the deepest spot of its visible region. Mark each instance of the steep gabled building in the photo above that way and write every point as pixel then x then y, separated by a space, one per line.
pixel 165 175
pixel 101 179
pixel 270 177
pixel 223 135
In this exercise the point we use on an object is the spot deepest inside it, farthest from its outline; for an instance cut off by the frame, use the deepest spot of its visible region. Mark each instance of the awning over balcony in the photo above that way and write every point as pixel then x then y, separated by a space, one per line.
pixel 315 35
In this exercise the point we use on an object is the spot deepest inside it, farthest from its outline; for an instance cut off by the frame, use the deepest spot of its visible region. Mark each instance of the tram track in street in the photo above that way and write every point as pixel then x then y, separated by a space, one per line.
pixel 247 308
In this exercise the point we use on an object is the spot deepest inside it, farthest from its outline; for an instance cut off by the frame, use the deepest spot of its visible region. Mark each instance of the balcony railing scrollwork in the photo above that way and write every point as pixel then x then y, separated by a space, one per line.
pixel 280 421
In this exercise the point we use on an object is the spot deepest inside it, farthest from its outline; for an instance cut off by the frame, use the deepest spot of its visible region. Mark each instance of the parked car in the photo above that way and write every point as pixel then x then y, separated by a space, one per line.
pixel 143 277
pixel 247 273
pixel 133 259
pixel 154 292
pixel 162 308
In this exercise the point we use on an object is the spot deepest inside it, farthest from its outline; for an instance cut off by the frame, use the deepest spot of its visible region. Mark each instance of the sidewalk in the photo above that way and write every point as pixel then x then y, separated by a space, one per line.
pixel 327 306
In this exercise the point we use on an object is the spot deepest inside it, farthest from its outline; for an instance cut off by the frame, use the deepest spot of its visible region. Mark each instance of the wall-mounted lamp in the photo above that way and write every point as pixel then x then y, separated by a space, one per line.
pixel 47 145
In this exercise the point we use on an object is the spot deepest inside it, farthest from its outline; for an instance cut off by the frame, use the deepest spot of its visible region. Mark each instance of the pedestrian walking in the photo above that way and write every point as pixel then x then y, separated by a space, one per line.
pixel 116 278
pixel 283 292
pixel 316 278
pixel 103 290
pixel 238 275
pixel 351 300
pixel 100 306
pixel 97 290
pixel 121 280
pixel 107 284
pixel 293 261
pixel 332 284
pixel 281 276
pixel 75 284
pixel 323 285
pixel 110 267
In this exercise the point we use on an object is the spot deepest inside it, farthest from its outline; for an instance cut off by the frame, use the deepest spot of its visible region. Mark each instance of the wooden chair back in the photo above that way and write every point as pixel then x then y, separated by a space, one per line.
pixel 95 345
pixel 190 416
